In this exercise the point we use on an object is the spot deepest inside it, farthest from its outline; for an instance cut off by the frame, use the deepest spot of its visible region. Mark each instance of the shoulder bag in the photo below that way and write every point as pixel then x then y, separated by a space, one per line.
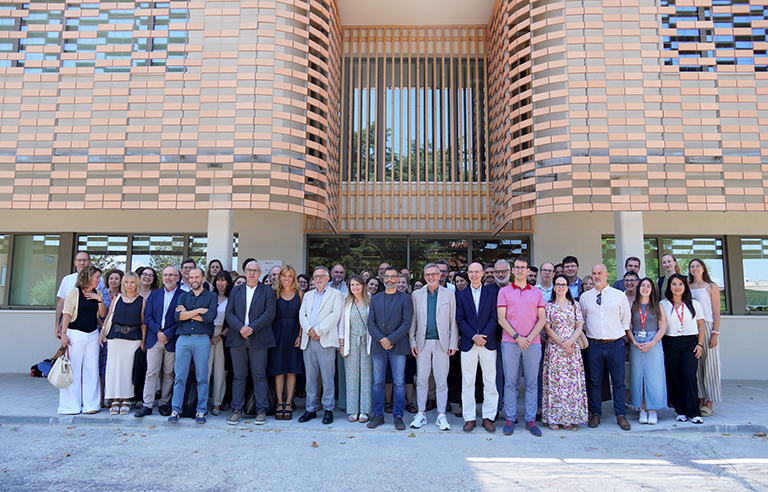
pixel 61 374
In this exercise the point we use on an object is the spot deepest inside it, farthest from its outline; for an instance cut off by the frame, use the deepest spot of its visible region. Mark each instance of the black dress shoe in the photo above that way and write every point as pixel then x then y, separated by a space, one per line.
pixel 307 416
pixel 164 410
pixel 327 417
pixel 143 412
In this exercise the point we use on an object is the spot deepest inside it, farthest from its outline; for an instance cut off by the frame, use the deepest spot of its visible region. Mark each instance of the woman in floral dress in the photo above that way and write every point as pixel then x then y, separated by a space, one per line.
pixel 563 386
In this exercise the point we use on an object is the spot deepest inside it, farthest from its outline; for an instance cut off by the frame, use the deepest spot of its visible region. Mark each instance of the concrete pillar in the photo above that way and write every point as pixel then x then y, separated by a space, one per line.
pixel 221 230
pixel 628 228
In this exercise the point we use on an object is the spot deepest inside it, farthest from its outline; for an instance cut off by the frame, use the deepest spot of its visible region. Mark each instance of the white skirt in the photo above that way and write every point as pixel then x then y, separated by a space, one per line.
pixel 118 380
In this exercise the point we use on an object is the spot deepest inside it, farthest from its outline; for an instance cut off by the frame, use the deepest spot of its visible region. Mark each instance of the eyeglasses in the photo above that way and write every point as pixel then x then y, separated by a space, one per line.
pixel 500 272
pixel 146 275
pixel 251 270
pixel 520 268
pixel 546 270
pixel 599 298
pixel 561 285
pixel 398 276
pixel 319 277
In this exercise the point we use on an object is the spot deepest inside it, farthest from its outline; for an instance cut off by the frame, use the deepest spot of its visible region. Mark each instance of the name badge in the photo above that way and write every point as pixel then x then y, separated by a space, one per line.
pixel 641 334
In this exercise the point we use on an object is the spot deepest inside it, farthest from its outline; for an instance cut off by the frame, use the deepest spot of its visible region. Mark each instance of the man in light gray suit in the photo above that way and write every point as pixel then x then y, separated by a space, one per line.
pixel 319 319
pixel 249 314
pixel 434 337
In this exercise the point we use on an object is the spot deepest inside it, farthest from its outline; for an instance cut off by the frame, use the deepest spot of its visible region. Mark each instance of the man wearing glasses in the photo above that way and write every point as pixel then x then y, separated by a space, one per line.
pixel 547 272
pixel 434 337
pixel 632 264
pixel 606 319
pixel 319 319
pixel 389 319
pixel 501 272
pixel 250 311
pixel 522 316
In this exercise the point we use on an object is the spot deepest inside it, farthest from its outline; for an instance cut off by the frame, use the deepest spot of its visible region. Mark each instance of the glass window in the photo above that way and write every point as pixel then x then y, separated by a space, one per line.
pixel 157 251
pixel 198 250
pixel 106 252
pixel 357 254
pixel 755 262
pixel 708 250
pixel 454 251
pixel 609 259
pixel 489 251
pixel 35 259
pixel 4 242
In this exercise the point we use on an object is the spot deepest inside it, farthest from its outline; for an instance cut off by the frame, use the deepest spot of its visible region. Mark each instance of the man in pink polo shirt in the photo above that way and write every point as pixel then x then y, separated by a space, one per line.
pixel 522 316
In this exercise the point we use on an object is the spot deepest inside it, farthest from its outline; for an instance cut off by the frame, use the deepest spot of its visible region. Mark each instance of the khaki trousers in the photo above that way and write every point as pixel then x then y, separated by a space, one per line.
pixel 158 357
pixel 432 358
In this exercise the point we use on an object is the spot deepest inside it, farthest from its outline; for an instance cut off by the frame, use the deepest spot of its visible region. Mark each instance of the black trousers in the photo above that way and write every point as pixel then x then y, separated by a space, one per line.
pixel 681 364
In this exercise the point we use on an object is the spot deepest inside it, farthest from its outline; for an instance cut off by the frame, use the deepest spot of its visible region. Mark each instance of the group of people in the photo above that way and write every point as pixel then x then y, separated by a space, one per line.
pixel 371 341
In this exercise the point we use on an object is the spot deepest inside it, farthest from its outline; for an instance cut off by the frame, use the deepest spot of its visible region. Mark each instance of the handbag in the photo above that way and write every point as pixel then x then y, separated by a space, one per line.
pixel 108 322
pixel 61 374
pixel 582 341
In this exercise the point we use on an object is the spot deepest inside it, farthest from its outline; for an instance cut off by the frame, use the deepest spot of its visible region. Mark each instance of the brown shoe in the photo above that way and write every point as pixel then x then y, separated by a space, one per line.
pixel 594 421
pixel 623 423
pixel 488 425
pixel 469 426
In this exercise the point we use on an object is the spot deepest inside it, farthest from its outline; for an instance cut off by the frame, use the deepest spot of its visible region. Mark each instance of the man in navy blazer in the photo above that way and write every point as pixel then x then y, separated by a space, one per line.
pixel 389 320
pixel 249 314
pixel 161 342
pixel 477 320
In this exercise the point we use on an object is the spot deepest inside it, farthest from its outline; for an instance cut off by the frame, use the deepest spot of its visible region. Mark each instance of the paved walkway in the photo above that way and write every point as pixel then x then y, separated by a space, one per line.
pixel 34 401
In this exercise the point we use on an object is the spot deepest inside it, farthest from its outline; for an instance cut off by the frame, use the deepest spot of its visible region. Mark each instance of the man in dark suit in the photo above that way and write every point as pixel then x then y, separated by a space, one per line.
pixel 477 320
pixel 161 341
pixel 389 320
pixel 250 311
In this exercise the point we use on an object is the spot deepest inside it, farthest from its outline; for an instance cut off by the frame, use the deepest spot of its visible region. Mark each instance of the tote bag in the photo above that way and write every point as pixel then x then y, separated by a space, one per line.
pixel 61 374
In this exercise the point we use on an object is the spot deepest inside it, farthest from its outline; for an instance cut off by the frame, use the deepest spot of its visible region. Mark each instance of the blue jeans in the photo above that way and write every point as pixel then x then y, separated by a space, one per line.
pixel 531 357
pixel 612 355
pixel 379 378
pixel 188 348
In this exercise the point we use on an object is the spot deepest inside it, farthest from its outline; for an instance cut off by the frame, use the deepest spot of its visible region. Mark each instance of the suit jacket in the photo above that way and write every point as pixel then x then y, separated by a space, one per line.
pixel 392 325
pixel 153 316
pixel 261 314
pixel 445 316
pixel 327 317
pixel 471 323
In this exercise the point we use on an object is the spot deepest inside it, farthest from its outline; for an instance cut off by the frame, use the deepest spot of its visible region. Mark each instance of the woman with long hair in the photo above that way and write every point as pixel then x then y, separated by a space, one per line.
pixel 461 281
pixel 564 388
pixel 669 263
pixel 127 333
pixel 355 346
pixel 217 373
pixel 683 345
pixel 704 290
pixel 80 333
pixel 303 280
pixel 648 385
pixel 403 285
pixel 286 359
pixel 214 267
pixel 586 284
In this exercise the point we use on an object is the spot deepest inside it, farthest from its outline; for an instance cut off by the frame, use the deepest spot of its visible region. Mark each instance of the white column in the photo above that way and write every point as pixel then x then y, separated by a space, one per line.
pixel 628 227
pixel 221 229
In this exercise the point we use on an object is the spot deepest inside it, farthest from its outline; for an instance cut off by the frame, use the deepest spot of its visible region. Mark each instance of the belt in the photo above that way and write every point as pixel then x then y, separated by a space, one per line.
pixel 611 340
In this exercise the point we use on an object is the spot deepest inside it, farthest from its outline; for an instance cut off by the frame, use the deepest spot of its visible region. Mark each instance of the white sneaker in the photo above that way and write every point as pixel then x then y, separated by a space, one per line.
pixel 697 420
pixel 442 423
pixel 643 417
pixel 419 420
pixel 682 418
pixel 653 418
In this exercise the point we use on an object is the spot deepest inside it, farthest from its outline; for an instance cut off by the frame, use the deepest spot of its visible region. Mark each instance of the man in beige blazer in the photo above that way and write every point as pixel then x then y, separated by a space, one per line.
pixel 319 319
pixel 434 337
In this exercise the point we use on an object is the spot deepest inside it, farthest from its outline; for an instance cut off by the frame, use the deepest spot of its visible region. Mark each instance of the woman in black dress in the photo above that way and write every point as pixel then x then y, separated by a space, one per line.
pixel 285 359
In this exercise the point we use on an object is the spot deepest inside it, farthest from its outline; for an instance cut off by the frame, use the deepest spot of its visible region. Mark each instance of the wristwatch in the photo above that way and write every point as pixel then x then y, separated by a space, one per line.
pixel 514 337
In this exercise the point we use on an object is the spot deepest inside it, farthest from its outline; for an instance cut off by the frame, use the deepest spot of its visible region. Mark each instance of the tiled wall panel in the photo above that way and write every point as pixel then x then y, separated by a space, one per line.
pixel 179 105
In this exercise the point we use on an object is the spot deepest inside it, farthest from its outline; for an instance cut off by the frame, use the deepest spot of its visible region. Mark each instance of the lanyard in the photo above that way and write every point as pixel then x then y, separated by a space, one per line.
pixel 643 315
pixel 680 316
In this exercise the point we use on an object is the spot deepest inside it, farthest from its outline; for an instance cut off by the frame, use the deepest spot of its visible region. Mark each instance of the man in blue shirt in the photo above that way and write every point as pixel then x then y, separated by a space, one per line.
pixel 195 314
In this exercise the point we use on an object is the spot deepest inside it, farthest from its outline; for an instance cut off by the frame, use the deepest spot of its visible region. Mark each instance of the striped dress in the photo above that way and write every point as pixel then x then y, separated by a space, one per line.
pixel 708 374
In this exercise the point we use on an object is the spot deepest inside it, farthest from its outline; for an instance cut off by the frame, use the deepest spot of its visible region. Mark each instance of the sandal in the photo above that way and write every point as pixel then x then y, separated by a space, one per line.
pixel 216 411
pixel 114 409
pixel 125 408
pixel 352 418
pixel 567 427
pixel 555 427
pixel 287 411
pixel 279 412
pixel 363 418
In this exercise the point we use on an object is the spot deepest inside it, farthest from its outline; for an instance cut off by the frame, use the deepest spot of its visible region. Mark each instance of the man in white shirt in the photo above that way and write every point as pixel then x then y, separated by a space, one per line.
pixel 606 319
pixel 319 319
pixel 546 271
pixel 82 260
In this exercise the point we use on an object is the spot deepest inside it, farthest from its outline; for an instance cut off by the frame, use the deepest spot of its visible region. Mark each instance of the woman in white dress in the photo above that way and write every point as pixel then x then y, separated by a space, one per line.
pixel 707 293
